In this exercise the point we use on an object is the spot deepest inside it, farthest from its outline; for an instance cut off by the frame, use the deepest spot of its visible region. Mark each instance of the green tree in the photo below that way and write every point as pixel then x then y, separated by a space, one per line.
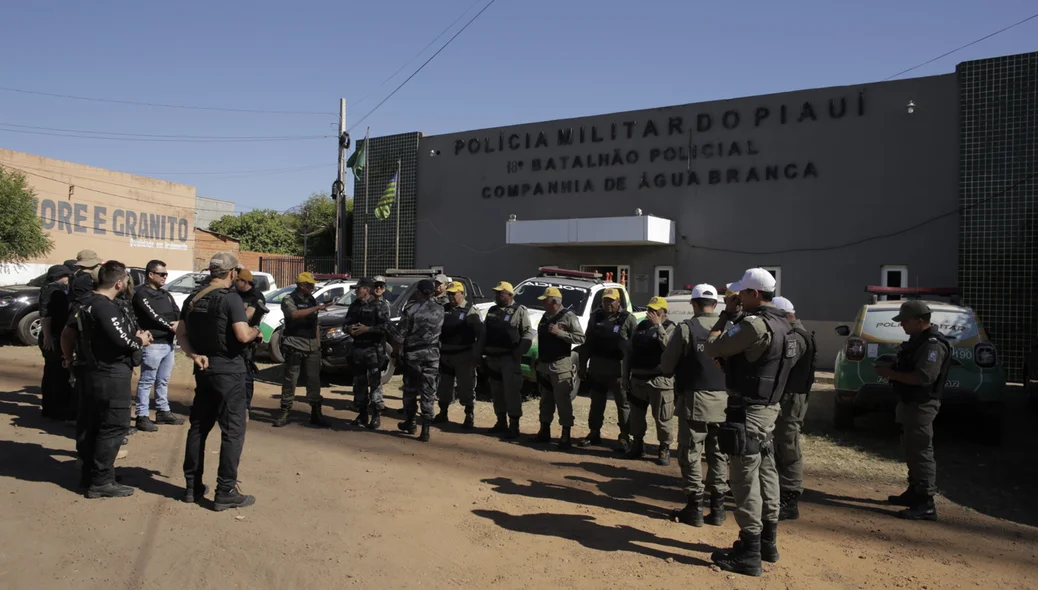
pixel 259 230
pixel 313 222
pixel 21 230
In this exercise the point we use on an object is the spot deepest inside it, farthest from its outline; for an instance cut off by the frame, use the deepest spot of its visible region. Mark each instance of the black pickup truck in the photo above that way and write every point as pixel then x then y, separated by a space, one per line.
pixel 401 289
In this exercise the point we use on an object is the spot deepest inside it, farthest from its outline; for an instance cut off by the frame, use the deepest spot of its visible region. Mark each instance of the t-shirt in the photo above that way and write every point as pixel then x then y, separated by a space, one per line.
pixel 113 339
pixel 54 305
pixel 81 285
pixel 230 362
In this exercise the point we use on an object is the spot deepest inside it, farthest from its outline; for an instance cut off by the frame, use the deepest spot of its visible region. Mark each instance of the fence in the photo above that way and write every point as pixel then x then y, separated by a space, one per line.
pixel 286 268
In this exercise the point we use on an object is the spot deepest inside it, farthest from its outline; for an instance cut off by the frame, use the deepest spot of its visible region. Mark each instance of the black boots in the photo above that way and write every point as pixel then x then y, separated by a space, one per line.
pixel 789 505
pixel 717 514
pixel 544 434
pixel 692 513
pixel 232 499
pixel 923 509
pixel 500 426
pixel 470 418
pixel 316 418
pixel 361 419
pixel 282 419
pixel 907 498
pixel 376 420
pixel 441 417
pixel 144 424
pixel 564 442
pixel 513 428
pixel 769 542
pixel 593 438
pixel 167 417
pixel 625 443
pixel 636 451
pixel 109 490
pixel 663 456
pixel 408 425
pixel 744 557
pixel 195 494
pixel 424 437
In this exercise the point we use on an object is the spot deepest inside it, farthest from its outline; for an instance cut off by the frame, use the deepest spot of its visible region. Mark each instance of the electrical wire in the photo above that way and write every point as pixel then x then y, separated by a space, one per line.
pixel 84 134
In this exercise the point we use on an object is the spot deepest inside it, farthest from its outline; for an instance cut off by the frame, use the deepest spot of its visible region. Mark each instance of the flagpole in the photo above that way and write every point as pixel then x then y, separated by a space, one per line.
pixel 398 197
pixel 367 178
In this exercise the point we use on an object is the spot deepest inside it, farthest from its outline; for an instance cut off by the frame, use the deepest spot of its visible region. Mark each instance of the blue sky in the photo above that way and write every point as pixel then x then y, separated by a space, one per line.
pixel 521 61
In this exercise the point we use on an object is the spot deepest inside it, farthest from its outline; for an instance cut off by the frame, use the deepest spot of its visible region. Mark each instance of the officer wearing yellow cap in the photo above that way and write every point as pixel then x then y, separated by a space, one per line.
pixel 461 329
pixel 557 333
pixel 646 383
pixel 302 348
pixel 507 336
pixel 605 347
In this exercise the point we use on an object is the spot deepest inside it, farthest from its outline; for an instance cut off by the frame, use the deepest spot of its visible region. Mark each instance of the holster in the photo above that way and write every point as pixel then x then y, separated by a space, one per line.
pixel 732 437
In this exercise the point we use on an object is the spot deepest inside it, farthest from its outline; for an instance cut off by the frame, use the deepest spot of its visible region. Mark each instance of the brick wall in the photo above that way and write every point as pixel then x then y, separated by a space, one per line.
pixel 208 243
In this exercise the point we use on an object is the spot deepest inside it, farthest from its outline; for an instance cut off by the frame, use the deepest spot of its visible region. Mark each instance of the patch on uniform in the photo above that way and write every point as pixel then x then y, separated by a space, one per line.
pixel 461 314
pixel 508 317
pixel 616 328
pixel 931 356
pixel 735 330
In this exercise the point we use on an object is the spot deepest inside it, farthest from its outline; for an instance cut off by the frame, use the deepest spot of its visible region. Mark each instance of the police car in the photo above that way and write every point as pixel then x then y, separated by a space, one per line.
pixel 329 288
pixel 975 379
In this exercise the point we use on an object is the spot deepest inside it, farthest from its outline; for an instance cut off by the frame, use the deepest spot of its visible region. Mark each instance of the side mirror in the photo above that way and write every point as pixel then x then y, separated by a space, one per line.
pixel 843 330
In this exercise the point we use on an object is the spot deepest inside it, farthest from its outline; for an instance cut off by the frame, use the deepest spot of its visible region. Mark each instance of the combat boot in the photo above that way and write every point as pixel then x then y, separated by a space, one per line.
pixel 195 493
pixel 717 515
pixel 376 420
pixel 500 426
pixel 789 505
pixel 636 450
pixel 424 437
pixel 232 499
pixel 408 425
pixel 564 441
pixel 907 498
pixel 316 418
pixel 144 424
pixel 513 428
pixel 470 418
pixel 663 457
pixel 744 557
pixel 109 490
pixel 282 419
pixel 625 443
pixel 593 438
pixel 544 434
pixel 924 509
pixel 692 513
pixel 441 417
pixel 769 542
pixel 167 417
pixel 361 419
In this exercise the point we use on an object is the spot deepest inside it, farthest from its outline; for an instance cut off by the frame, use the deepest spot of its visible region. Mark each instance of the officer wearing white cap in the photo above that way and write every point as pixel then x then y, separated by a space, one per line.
pixel 647 385
pixel 440 284
pixel 701 400
pixel 760 350
pixel 788 458
pixel 507 335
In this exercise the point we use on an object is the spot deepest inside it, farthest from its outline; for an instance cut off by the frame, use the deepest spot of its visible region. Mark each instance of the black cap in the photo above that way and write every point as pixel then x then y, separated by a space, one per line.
pixel 57 271
pixel 71 264
pixel 912 309
pixel 365 282
pixel 426 287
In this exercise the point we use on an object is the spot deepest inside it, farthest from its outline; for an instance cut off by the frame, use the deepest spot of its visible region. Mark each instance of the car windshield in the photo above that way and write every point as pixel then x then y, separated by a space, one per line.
pixel 394 289
pixel 956 325
pixel 575 298
pixel 187 283
pixel 278 295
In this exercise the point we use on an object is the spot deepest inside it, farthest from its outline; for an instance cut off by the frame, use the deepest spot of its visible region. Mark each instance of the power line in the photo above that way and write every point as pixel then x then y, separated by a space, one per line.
pixel 943 55
pixel 242 172
pixel 163 105
pixel 84 134
pixel 460 31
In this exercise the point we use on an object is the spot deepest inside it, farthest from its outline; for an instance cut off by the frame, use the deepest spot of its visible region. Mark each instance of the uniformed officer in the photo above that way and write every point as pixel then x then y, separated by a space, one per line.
pixel 213 332
pixel 367 321
pixel 301 341
pixel 760 350
pixel 105 341
pixel 601 357
pixel 507 336
pixel 557 333
pixel 441 282
pixel 788 456
pixel 417 345
pixel 85 277
pixel 647 386
pixel 461 329
pixel 157 313
pixel 918 377
pixel 701 400
pixel 55 390
pixel 255 309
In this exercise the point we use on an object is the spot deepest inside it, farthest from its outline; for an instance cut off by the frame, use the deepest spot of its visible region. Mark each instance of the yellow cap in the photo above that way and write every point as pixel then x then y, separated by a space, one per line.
pixel 611 294
pixel 306 277
pixel 657 303
pixel 551 292
pixel 505 286
pixel 456 287
pixel 245 275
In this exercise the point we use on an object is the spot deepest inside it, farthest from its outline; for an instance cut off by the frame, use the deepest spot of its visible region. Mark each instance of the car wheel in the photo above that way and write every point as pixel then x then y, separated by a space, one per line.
pixel 843 416
pixel 989 426
pixel 29 328
pixel 390 369
pixel 274 350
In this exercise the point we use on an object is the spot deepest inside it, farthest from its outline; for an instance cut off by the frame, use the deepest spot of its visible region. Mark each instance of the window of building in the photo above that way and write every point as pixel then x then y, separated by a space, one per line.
pixel 663 281
pixel 893 275
pixel 776 271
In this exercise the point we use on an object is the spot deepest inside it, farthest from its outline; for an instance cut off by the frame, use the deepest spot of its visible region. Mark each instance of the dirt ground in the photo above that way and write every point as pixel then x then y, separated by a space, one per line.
pixel 351 508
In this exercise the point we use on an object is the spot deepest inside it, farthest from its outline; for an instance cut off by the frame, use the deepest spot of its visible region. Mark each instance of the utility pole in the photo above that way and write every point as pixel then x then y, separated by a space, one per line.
pixel 339 193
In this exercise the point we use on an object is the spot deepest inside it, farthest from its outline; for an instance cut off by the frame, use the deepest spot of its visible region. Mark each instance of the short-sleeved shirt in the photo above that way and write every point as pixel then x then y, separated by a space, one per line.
pixel 232 362
pixel 54 305
pixel 304 344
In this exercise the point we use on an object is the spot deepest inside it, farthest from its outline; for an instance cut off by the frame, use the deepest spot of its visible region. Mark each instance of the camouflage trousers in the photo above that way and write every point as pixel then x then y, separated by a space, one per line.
pixel 421 378
pixel 367 388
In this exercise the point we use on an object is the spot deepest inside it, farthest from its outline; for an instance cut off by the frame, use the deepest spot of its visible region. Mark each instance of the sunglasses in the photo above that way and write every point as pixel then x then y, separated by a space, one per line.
pixel 161 274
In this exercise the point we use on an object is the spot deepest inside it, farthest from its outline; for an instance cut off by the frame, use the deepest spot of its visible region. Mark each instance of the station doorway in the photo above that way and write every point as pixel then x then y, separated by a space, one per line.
pixel 611 273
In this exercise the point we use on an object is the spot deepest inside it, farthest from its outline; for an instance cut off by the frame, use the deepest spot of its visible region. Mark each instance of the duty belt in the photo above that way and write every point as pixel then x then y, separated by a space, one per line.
pixel 419 347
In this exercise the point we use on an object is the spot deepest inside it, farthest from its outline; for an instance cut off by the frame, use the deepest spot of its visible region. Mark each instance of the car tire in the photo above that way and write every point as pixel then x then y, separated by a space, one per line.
pixel 29 328
pixel 990 426
pixel 843 416
pixel 274 349
pixel 390 369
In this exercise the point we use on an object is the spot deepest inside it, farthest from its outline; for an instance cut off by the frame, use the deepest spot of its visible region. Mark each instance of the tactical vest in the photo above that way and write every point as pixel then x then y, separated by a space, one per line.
pixel 551 348
pixel 802 376
pixel 606 340
pixel 697 371
pixel 366 315
pixel 647 346
pixel 305 327
pixel 499 329
pixel 90 336
pixel 456 331
pixel 906 362
pixel 208 323
pixel 764 380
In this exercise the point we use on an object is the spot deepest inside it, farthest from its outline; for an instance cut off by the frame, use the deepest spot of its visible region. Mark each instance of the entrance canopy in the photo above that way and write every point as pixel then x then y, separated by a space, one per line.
pixel 640 230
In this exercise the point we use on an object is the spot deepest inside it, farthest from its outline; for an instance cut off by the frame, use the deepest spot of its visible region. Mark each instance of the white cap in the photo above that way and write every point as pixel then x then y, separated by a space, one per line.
pixel 704 291
pixel 733 287
pixel 757 279
pixel 783 304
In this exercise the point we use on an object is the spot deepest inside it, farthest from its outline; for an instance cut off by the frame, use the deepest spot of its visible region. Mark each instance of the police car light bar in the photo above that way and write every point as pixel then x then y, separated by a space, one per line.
pixel 412 272
pixel 945 291
pixel 329 276
pixel 546 271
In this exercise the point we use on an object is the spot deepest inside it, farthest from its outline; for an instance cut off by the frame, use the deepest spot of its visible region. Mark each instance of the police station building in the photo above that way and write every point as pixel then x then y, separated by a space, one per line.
pixel 922 182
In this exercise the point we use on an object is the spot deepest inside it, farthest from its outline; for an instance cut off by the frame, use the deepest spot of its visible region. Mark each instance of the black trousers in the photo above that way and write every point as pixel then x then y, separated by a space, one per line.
pixel 102 423
pixel 218 398
pixel 56 392
pixel 250 383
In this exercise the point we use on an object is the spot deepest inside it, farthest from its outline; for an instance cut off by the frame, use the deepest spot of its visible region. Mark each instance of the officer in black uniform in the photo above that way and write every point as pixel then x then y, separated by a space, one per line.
pixel 918 377
pixel 105 341
pixel 255 309
pixel 56 392
pixel 214 332
pixel 84 278
pixel 367 321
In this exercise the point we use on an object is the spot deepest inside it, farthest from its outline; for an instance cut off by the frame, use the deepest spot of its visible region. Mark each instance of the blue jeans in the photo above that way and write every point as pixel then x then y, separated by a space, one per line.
pixel 155 370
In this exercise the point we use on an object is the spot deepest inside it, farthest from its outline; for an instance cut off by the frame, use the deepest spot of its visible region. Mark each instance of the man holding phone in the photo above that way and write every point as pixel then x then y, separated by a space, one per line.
pixel 302 346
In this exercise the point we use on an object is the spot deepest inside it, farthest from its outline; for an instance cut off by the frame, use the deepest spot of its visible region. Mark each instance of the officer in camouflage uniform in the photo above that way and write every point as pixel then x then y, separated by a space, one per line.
pixel 461 329
pixel 918 378
pixel 646 384
pixel 507 336
pixel 440 284
pixel 601 359
pixel 417 345
pixel 367 321
pixel 759 350
pixel 788 457
pixel 701 402
pixel 558 331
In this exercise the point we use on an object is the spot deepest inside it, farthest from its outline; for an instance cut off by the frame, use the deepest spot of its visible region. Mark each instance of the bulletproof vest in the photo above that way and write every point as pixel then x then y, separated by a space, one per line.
pixel 647 345
pixel 764 380
pixel 906 362
pixel 207 323
pixel 93 350
pixel 456 330
pixel 607 341
pixel 499 329
pixel 366 314
pixel 551 348
pixel 305 327
pixel 697 371
pixel 802 376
